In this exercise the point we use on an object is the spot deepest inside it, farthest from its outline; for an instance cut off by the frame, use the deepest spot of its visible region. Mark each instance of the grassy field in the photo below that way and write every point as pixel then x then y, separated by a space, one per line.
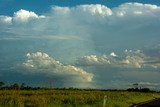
pixel 71 98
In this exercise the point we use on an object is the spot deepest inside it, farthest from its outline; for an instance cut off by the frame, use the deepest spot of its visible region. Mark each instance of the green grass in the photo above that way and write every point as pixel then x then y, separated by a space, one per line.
pixel 71 98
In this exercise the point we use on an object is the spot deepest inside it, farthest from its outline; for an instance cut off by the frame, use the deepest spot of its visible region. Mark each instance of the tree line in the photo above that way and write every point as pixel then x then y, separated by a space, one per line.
pixel 137 88
pixel 23 86
pixel 17 86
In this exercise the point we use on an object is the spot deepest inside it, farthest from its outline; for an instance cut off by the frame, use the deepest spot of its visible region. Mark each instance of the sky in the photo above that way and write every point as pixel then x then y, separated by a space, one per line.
pixel 102 44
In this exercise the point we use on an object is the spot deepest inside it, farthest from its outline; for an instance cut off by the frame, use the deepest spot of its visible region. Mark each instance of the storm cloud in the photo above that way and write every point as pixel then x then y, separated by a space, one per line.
pixel 94 44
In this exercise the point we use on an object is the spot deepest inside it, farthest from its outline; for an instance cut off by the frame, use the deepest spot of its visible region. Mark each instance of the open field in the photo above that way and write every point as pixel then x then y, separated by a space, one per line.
pixel 72 98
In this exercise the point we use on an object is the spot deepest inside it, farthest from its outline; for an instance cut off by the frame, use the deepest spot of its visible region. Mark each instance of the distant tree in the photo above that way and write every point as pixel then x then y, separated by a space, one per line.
pixel 1 84
pixel 131 89
pixel 135 85
pixel 15 86
pixel 145 90
pixel 28 88
pixel 23 86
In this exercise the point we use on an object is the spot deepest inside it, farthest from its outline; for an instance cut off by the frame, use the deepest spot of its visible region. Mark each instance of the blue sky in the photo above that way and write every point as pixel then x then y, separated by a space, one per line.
pixel 41 6
pixel 84 44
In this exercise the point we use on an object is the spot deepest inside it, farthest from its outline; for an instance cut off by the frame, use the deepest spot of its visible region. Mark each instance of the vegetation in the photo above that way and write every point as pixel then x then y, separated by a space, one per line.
pixel 21 96
pixel 71 98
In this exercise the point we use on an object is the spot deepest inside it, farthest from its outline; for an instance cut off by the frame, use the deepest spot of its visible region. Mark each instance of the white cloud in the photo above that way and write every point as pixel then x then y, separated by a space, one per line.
pixel 6 19
pixel 96 9
pixel 129 59
pixel 134 61
pixel 63 10
pixel 135 9
pixel 92 60
pixel 148 84
pixel 91 11
pixel 42 63
pixel 134 58
pixel 137 12
pixel 113 54
pixel 25 16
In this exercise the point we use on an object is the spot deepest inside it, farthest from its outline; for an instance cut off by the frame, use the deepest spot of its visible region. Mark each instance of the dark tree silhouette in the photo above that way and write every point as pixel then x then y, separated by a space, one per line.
pixel 135 85
pixel 23 85
pixel 1 84
pixel 15 86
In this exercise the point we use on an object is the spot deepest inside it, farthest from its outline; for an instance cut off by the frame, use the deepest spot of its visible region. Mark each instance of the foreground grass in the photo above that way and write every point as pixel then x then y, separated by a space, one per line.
pixel 71 98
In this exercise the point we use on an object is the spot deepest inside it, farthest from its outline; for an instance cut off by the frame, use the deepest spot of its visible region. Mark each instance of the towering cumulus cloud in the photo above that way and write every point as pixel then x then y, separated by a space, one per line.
pixel 24 16
pixel 5 19
pixel 42 63
pixel 129 59
pixel 93 45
